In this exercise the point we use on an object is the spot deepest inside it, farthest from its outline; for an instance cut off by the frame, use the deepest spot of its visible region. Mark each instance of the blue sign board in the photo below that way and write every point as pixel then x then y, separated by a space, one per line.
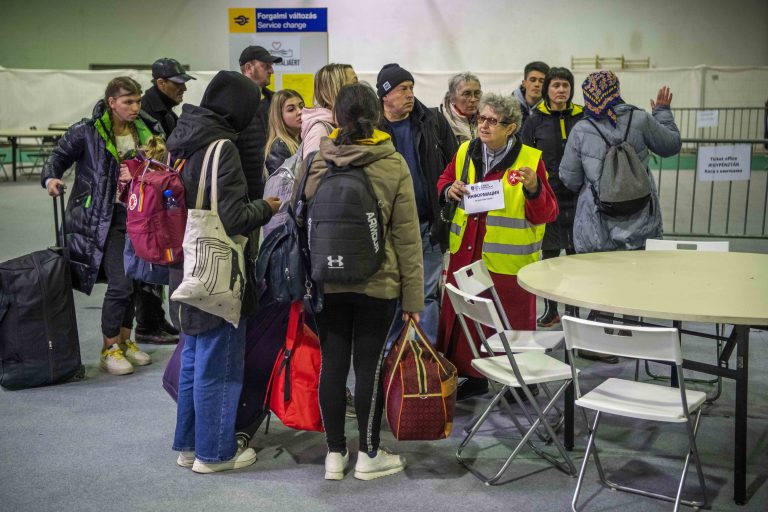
pixel 292 20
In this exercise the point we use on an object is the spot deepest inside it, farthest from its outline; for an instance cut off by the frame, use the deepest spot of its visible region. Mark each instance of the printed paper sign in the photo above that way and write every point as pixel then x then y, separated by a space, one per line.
pixel 287 47
pixel 483 197
pixel 724 163
pixel 706 118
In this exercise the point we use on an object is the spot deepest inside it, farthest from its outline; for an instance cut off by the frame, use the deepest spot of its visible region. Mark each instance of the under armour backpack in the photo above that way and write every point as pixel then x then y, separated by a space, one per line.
pixel 345 233
pixel 624 186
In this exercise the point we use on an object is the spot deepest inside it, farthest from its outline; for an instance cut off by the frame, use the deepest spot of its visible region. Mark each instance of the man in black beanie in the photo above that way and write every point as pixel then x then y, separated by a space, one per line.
pixel 212 363
pixel 427 143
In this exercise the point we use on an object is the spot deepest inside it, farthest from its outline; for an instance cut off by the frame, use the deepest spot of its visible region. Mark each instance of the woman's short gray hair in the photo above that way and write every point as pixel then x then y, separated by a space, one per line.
pixel 457 80
pixel 506 107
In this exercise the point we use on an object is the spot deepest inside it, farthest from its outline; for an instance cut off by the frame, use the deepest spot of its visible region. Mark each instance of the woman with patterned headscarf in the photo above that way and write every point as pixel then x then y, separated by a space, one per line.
pixel 609 120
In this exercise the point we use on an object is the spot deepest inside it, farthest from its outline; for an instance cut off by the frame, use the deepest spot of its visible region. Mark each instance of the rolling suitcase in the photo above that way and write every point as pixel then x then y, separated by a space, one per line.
pixel 39 344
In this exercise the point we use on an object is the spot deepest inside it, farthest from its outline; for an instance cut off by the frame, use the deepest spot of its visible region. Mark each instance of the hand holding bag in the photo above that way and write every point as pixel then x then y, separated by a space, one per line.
pixel 214 264
pixel 419 388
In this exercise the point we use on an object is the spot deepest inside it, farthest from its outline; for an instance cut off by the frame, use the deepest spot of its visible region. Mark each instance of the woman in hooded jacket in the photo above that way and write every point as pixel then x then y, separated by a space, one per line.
pixel 317 122
pixel 356 318
pixel 212 360
pixel 95 227
pixel 547 129
pixel 609 118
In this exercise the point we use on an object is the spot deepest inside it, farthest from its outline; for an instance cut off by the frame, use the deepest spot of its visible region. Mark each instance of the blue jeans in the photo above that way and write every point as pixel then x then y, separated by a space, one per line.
pixel 433 267
pixel 210 382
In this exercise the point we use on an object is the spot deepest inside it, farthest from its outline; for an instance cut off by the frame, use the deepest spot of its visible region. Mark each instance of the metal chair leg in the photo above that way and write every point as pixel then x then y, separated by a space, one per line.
pixel 692 452
pixel 566 465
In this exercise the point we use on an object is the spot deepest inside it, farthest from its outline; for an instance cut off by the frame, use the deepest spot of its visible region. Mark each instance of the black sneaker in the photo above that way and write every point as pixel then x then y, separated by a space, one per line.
pixel 158 337
pixel 596 356
pixel 350 412
pixel 472 386
pixel 534 391
pixel 168 327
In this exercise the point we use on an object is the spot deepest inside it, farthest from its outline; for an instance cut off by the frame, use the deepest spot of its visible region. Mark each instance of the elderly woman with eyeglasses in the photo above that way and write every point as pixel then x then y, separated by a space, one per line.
pixel 504 224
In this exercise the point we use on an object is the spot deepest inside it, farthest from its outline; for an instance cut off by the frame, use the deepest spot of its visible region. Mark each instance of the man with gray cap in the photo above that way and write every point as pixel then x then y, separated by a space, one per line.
pixel 167 91
pixel 256 64
pixel 425 140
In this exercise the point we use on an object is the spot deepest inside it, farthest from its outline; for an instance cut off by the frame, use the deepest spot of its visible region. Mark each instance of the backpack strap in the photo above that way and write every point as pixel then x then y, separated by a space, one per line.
pixel 626 132
pixel 298 202
pixel 590 121
pixel 629 123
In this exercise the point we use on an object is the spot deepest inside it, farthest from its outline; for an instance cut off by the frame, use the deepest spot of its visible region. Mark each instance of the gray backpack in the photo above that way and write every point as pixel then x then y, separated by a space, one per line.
pixel 624 186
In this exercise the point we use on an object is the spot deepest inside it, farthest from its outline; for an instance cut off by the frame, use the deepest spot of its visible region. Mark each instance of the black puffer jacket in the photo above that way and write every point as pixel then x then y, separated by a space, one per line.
pixel 435 145
pixel 160 107
pixel 89 145
pixel 196 129
pixel 251 143
pixel 548 131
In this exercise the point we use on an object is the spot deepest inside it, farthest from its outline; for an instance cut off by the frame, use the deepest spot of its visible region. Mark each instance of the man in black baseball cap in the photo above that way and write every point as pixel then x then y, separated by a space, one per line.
pixel 167 91
pixel 169 84
pixel 256 64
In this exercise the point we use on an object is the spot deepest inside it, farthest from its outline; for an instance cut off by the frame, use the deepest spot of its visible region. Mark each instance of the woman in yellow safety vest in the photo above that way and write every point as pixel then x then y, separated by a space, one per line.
pixel 506 228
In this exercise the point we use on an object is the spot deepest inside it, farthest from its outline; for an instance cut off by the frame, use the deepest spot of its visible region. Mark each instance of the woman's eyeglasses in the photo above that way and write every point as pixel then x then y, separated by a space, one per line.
pixel 491 121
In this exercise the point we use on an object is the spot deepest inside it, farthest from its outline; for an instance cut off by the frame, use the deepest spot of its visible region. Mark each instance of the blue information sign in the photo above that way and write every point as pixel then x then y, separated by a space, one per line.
pixel 292 20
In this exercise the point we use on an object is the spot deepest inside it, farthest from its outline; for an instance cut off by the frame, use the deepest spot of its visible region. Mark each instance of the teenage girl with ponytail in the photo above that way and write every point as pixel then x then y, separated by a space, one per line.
pixel 356 318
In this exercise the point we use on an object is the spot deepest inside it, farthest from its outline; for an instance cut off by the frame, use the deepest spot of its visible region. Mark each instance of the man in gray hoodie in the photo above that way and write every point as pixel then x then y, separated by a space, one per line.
pixel 529 92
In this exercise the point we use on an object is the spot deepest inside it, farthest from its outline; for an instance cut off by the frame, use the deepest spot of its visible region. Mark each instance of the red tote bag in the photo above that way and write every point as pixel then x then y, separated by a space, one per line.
pixel 293 395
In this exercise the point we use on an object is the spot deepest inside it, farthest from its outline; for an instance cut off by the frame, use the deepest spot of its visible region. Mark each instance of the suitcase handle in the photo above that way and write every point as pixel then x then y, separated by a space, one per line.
pixel 61 240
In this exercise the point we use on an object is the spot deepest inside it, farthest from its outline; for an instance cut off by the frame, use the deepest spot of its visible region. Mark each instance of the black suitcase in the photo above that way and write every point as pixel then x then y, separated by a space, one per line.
pixel 39 344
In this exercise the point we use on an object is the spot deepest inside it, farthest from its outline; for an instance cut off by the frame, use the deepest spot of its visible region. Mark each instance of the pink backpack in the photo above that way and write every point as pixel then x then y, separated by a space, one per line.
pixel 157 212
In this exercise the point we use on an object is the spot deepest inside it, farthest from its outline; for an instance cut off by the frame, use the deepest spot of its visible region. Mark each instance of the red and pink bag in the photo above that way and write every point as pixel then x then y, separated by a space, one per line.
pixel 157 212
pixel 293 387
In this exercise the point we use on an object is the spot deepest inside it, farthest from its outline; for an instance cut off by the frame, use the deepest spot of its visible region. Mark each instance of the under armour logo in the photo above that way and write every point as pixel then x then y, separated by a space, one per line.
pixel 337 262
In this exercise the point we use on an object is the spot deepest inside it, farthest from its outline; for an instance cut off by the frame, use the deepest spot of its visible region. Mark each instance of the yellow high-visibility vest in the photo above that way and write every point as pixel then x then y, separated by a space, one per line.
pixel 510 242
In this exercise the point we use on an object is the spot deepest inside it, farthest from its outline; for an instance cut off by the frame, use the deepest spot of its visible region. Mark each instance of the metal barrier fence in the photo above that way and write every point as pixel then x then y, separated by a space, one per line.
pixel 732 209
pixel 731 123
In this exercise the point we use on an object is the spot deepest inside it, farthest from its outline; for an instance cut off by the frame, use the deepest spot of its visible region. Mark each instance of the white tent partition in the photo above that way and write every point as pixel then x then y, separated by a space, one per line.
pixel 32 97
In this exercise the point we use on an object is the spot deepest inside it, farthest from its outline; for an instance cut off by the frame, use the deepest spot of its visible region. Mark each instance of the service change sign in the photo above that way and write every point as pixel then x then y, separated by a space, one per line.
pixel 724 163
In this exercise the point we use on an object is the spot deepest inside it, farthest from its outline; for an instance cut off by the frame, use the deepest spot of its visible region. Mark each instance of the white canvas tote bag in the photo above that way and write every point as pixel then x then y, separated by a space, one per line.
pixel 214 265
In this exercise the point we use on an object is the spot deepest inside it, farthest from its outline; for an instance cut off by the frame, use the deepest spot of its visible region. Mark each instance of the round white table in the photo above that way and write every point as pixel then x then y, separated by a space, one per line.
pixel 709 287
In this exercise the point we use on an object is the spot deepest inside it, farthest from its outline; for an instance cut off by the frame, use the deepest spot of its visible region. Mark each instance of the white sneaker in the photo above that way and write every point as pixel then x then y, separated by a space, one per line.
pixel 113 361
pixel 186 459
pixel 134 354
pixel 383 464
pixel 243 457
pixel 335 464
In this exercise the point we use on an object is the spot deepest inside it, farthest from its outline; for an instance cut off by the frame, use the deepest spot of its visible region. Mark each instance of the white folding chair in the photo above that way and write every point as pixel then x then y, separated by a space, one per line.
pixel 655 244
pixel 474 279
pixel 631 399
pixel 513 371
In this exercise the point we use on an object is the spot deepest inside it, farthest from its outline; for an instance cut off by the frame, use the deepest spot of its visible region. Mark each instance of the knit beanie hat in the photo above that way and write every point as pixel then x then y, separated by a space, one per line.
pixel 234 97
pixel 390 76
pixel 601 94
